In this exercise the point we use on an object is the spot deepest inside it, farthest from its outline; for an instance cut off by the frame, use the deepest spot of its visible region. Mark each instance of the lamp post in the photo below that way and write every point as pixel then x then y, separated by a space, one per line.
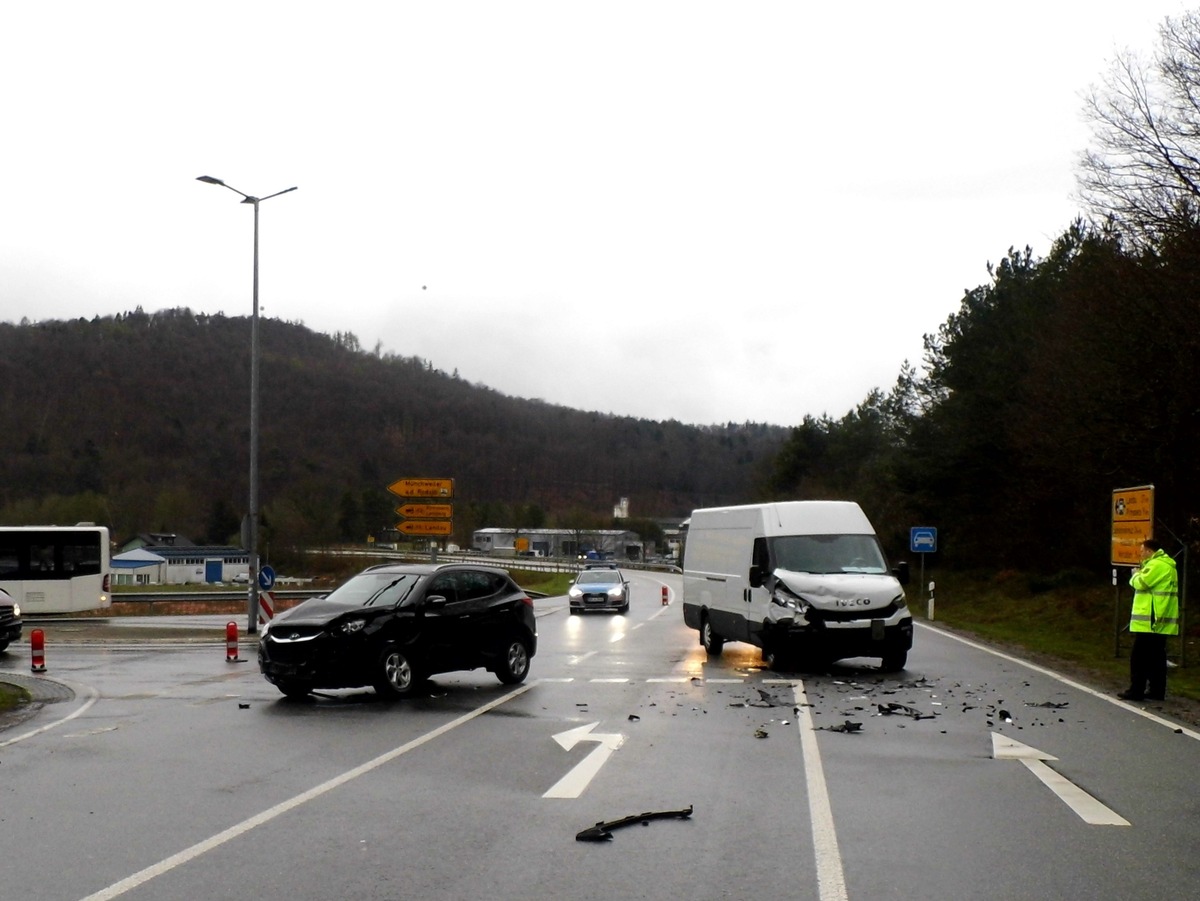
pixel 252 516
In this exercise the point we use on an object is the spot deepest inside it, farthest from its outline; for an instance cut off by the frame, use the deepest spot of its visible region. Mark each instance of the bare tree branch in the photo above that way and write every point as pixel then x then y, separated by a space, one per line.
pixel 1143 171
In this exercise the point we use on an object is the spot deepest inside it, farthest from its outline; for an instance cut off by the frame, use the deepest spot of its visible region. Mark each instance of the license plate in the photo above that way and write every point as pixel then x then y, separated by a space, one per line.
pixel 877 630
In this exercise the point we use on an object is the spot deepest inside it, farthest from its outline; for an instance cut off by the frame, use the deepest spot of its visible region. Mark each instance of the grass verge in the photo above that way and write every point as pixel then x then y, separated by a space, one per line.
pixel 13 697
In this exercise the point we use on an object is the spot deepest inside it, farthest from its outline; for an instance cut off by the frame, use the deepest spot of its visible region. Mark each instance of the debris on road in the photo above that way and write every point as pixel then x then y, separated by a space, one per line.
pixel 847 726
pixel 891 708
pixel 603 831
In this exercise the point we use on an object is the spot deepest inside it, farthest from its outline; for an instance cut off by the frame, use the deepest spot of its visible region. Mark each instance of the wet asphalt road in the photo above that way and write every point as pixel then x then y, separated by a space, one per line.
pixel 161 771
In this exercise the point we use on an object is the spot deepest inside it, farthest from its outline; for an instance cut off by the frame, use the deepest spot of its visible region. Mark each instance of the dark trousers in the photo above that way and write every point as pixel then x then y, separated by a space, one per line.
pixel 1148 665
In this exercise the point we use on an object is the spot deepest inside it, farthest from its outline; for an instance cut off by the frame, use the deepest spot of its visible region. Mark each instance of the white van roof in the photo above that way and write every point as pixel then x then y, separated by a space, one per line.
pixel 817 518
pixel 791 518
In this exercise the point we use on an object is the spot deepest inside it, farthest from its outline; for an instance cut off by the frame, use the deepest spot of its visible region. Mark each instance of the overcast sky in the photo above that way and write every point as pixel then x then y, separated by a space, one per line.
pixel 709 212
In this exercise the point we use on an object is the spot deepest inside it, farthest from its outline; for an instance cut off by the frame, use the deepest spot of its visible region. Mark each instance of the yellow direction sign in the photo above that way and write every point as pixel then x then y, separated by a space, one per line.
pixel 426 511
pixel 422 488
pixel 425 527
pixel 1132 523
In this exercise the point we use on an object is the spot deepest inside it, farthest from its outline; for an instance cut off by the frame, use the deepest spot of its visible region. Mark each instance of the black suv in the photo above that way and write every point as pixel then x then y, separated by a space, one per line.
pixel 392 625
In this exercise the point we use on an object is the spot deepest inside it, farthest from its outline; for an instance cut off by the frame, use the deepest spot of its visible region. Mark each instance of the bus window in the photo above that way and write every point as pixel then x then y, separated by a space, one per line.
pixel 41 558
pixel 10 562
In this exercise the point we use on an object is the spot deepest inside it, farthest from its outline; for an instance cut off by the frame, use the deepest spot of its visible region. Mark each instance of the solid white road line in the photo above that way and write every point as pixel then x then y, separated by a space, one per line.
pixel 187 854
pixel 90 695
pixel 831 881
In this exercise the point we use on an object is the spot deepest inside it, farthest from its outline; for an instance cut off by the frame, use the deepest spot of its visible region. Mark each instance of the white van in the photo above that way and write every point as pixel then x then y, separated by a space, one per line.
pixel 806 581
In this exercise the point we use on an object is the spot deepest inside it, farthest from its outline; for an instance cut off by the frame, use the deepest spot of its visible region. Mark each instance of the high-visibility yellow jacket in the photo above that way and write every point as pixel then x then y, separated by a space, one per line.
pixel 1155 596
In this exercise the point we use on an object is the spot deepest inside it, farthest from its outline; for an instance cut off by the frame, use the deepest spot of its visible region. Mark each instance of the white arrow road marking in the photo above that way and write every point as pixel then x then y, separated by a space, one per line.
pixel 1088 808
pixel 573 784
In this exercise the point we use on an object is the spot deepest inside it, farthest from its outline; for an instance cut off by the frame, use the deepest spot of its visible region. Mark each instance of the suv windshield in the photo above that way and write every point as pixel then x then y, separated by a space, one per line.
pixel 828 554
pixel 375 589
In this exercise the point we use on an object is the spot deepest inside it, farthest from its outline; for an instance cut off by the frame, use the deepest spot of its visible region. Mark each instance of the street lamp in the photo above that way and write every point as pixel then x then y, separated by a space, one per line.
pixel 252 516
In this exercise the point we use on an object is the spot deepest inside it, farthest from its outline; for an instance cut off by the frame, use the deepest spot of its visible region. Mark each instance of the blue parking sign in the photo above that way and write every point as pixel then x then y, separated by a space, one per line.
pixel 922 539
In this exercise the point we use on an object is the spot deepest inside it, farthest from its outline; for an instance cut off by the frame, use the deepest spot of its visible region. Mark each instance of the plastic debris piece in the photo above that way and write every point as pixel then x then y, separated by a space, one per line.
pixel 847 726
pixel 603 831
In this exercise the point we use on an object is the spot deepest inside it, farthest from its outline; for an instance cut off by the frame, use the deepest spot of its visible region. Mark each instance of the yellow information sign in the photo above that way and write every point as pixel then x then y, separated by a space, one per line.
pixel 426 511
pixel 1132 523
pixel 431 488
pixel 425 527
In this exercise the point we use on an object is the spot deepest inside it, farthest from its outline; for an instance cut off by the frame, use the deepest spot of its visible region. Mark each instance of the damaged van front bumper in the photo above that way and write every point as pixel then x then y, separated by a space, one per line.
pixel 839 634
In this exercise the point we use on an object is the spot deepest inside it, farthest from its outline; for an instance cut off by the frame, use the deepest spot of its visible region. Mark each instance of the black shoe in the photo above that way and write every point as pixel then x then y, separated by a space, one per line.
pixel 1130 696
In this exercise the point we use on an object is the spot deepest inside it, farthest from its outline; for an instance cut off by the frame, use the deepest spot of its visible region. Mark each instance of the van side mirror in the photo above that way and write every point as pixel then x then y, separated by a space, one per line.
pixel 756 576
pixel 900 571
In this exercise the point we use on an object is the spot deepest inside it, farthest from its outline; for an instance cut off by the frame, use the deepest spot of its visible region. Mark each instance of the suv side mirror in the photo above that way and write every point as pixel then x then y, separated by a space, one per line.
pixel 900 571
pixel 435 599
pixel 756 576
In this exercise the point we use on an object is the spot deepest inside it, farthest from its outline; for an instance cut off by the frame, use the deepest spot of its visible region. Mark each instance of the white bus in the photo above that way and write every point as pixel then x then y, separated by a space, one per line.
pixel 55 569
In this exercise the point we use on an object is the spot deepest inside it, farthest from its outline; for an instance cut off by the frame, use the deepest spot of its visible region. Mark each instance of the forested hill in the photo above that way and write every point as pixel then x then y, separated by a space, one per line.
pixel 141 421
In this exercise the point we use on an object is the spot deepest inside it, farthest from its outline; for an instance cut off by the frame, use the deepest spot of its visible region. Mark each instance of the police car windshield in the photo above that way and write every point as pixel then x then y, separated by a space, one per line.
pixel 597 577
pixel 824 554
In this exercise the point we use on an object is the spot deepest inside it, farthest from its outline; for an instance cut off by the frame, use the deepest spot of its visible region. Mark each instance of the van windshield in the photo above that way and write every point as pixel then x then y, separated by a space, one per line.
pixel 822 554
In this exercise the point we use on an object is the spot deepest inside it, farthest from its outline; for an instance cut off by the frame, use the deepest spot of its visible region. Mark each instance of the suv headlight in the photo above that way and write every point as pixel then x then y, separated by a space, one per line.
pixel 353 625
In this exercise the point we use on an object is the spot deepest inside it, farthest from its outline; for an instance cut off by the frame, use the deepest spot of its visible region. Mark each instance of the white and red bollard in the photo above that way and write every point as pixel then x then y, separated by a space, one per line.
pixel 666 597
pixel 231 648
pixel 37 641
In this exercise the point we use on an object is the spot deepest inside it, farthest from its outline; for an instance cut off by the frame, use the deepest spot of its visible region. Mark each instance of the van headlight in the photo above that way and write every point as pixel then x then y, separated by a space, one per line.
pixel 900 601
pixel 17 610
pixel 790 602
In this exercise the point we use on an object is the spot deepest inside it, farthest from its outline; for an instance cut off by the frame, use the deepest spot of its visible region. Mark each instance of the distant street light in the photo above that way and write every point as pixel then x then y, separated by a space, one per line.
pixel 252 516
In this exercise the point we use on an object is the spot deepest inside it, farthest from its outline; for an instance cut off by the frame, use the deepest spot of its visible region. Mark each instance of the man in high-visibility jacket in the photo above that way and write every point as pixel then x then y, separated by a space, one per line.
pixel 1155 616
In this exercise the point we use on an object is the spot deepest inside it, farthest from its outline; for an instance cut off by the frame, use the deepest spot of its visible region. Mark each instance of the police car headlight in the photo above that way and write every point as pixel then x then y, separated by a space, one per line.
pixel 616 593
pixel 575 592
pixel 354 625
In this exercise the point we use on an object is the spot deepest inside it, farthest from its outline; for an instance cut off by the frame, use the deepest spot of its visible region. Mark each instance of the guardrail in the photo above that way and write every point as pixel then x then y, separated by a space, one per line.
pixel 204 597
pixel 529 564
